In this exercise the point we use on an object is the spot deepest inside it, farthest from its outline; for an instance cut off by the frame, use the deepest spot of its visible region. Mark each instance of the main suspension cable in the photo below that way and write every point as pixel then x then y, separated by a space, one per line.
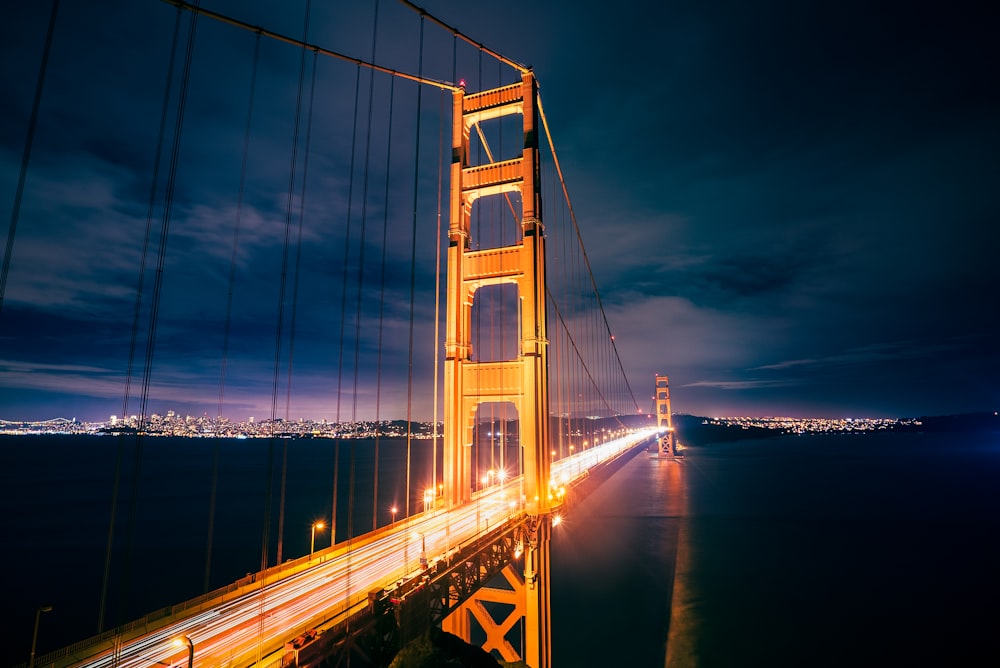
pixel 576 227
pixel 312 47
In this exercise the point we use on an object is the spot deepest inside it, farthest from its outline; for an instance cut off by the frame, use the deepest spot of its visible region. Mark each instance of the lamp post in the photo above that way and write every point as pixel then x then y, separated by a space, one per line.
pixel 479 498
pixel 428 499
pixel 393 510
pixel 423 549
pixel 34 636
pixel 312 537
pixel 185 640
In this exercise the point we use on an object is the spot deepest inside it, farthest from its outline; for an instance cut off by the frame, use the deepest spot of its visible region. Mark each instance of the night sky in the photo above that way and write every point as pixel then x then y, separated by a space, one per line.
pixel 790 208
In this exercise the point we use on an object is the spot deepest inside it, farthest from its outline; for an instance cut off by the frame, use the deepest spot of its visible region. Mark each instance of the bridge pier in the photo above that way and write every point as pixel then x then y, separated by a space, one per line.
pixel 527 592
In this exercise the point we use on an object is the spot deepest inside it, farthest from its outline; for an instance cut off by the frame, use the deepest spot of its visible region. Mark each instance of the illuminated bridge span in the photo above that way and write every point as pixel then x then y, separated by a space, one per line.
pixel 507 346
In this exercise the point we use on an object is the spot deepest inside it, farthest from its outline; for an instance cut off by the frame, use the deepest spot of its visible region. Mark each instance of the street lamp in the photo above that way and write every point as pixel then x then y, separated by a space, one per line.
pixel 393 510
pixel 423 549
pixel 428 498
pixel 312 537
pixel 185 640
pixel 34 636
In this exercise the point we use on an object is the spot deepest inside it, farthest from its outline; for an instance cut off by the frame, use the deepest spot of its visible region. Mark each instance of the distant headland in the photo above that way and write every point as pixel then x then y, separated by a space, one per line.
pixel 695 430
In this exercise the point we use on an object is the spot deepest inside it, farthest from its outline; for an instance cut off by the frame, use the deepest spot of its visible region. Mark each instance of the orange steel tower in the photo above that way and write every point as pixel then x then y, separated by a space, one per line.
pixel 668 444
pixel 522 381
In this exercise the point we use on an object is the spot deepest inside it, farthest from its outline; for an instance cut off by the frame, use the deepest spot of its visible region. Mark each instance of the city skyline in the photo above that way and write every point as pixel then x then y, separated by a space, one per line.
pixel 787 209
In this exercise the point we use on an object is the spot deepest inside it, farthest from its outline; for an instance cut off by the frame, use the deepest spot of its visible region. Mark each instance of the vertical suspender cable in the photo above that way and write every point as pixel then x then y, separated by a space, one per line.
pixel 496 300
pixel 477 304
pixel 29 140
pixel 361 262
pixel 438 241
pixel 276 369
pixel 437 293
pixel 357 331
pixel 155 307
pixel 289 206
pixel 381 305
pixel 572 215
pixel 229 313
pixel 137 309
pixel 413 270
pixel 343 293
pixel 276 373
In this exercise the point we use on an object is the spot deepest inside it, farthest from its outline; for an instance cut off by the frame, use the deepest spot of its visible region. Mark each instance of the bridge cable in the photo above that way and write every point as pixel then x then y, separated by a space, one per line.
pixel 276 374
pixel 343 292
pixel 438 242
pixel 477 304
pixel 495 299
pixel 135 321
pixel 361 268
pixel 237 224
pixel 503 321
pixel 222 18
pixel 357 335
pixel 29 140
pixel 560 360
pixel 155 308
pixel 381 305
pixel 576 226
pixel 413 273
pixel 437 294
pixel 588 333
pixel 457 34
pixel 295 284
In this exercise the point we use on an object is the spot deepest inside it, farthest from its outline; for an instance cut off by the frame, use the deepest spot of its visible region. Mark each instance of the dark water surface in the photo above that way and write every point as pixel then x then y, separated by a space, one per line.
pixel 55 500
pixel 794 551
pixel 876 550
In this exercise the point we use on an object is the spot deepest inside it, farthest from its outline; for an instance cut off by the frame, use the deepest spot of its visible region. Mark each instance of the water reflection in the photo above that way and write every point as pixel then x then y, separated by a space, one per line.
pixel 613 565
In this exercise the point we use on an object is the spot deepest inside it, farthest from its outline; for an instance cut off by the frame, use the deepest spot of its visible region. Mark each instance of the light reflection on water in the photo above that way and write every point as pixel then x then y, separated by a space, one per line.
pixel 794 551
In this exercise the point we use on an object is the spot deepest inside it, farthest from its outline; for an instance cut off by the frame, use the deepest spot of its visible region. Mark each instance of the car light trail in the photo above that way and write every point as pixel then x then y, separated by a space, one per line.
pixel 230 633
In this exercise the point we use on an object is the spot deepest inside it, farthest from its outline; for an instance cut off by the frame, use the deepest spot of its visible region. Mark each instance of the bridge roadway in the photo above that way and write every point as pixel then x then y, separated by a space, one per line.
pixel 249 624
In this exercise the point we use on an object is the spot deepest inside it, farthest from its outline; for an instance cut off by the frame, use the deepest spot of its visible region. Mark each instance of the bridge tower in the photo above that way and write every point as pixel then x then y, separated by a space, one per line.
pixel 668 443
pixel 522 381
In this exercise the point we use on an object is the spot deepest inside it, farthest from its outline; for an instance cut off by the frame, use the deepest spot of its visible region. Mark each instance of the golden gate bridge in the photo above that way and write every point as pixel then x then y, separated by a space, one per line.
pixel 423 222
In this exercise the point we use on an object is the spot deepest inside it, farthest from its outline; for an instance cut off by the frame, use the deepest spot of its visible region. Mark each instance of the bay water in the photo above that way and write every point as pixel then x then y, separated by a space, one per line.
pixel 809 550
pixel 812 550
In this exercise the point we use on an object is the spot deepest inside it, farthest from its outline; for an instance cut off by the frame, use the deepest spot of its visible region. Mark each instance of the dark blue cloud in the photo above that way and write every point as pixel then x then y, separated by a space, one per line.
pixel 789 208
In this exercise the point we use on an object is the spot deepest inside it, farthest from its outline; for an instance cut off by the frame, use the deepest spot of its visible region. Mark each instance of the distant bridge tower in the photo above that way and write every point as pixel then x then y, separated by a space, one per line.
pixel 522 381
pixel 668 442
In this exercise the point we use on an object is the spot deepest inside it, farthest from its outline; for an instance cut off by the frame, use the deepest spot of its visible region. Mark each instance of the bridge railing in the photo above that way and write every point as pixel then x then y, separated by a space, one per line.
pixel 163 616
pixel 159 618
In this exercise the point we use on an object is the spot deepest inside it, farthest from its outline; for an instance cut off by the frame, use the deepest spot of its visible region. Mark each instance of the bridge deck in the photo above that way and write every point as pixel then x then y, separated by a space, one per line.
pixel 249 622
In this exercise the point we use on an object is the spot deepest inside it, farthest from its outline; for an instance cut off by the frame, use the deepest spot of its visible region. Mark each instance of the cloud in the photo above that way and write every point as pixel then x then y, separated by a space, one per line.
pixel 873 353
pixel 741 384
pixel 27 367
